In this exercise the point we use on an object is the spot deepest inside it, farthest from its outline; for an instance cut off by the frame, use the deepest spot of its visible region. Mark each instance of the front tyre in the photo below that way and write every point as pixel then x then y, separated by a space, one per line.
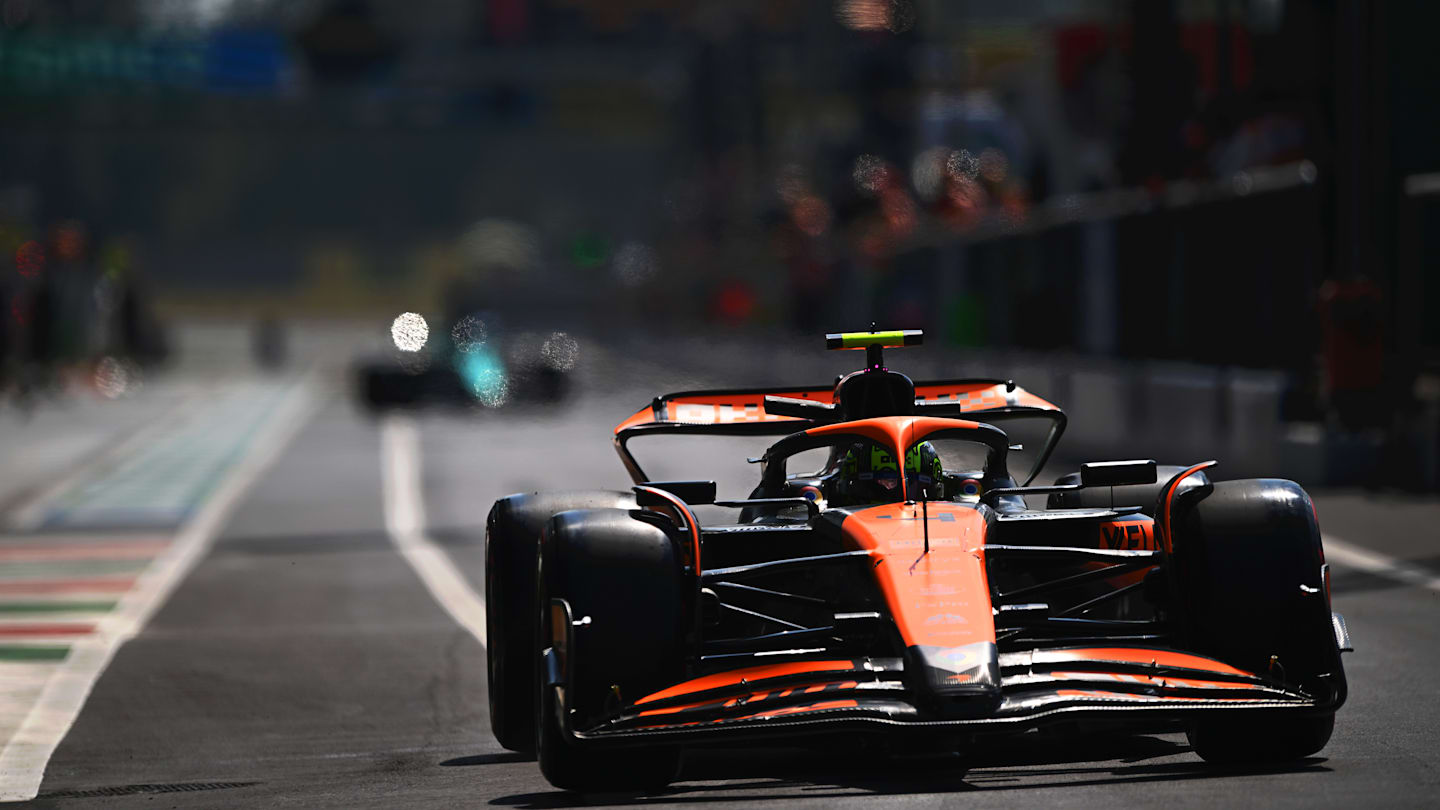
pixel 512 538
pixel 1252 588
pixel 623 575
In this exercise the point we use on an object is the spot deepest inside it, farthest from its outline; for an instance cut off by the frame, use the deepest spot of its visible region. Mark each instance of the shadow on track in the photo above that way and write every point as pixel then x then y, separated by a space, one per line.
pixel 487 759
pixel 761 775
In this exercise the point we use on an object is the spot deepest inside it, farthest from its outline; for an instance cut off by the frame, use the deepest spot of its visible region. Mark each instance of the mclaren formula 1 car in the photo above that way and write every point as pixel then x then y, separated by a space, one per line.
pixel 889 576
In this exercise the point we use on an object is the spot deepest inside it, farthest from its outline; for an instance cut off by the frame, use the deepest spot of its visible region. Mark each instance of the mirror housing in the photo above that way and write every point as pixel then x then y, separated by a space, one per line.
pixel 694 493
pixel 799 408
pixel 1117 473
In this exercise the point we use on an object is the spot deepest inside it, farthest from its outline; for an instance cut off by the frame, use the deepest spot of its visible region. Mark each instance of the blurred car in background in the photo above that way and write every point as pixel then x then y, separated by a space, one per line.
pixel 467 360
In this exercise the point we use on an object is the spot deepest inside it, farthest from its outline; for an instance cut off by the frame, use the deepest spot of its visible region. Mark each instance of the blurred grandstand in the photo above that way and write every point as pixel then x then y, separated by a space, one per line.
pixel 1221 184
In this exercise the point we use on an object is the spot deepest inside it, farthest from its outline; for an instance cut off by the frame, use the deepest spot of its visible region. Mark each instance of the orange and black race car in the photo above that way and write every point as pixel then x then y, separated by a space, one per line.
pixel 887 575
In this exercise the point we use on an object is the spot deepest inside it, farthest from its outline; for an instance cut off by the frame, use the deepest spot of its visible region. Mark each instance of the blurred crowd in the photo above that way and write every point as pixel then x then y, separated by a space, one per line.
pixel 800 164
pixel 76 314
pixel 1145 182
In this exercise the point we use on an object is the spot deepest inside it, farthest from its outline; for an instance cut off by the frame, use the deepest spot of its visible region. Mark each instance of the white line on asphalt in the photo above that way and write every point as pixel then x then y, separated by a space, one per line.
pixel 22 763
pixel 1353 556
pixel 405 522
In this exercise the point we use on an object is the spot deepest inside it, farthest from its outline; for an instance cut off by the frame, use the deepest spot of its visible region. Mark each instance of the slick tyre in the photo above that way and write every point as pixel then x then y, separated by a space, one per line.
pixel 512 537
pixel 622 582
pixel 1251 582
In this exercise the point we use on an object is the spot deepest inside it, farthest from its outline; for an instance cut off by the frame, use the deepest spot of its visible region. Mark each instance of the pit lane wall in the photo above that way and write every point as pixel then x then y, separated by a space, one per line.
pixel 1181 413
pixel 1174 412
pixel 1186 413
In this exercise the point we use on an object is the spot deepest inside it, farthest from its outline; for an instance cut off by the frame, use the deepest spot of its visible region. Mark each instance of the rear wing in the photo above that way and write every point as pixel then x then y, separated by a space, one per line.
pixel 781 411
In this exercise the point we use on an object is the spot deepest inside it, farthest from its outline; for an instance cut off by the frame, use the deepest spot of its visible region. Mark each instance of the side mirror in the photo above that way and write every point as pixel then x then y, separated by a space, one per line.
pixel 1117 473
pixel 695 493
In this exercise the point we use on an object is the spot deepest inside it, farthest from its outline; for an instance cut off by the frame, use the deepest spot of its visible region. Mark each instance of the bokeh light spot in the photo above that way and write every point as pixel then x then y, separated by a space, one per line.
pixel 468 334
pixel 70 241
pixel 899 211
pixel 409 331
pixel 560 351
pixel 589 250
pixel 494 391
pixel 30 259
pixel 735 303
pixel 113 378
pixel 484 376
pixel 869 173
pixel 811 215
pixel 863 15
pixel 895 16
pixel 962 164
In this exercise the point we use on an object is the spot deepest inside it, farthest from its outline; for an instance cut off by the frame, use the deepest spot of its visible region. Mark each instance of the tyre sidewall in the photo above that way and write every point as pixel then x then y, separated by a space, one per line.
pixel 1250 572
pixel 625 576
pixel 512 539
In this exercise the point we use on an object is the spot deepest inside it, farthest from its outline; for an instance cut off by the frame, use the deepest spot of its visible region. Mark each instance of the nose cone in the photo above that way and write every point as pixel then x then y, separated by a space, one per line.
pixel 967 670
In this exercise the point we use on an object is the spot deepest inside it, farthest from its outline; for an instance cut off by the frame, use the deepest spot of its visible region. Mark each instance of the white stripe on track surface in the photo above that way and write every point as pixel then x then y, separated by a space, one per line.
pixel 405 523
pixel 1371 562
pixel 30 513
pixel 22 763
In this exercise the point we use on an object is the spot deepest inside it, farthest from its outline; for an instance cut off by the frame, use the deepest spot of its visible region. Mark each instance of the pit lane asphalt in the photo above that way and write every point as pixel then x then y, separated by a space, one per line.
pixel 302 663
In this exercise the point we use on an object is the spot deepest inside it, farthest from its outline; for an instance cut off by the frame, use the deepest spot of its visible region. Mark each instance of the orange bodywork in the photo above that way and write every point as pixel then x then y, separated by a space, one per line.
pixel 754 697
pixel 1136 533
pixel 747 675
pixel 939 599
pixel 819 706
pixel 981 396
pixel 718 409
pixel 693 526
pixel 1149 657
pixel 1167 498
pixel 721 408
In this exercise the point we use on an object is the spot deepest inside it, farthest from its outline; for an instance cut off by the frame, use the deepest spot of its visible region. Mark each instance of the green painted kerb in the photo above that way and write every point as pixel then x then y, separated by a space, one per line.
pixel 55 607
pixel 17 653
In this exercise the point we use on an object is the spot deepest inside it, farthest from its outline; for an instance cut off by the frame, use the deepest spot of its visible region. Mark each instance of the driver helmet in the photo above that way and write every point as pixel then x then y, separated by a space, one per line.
pixel 869 473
